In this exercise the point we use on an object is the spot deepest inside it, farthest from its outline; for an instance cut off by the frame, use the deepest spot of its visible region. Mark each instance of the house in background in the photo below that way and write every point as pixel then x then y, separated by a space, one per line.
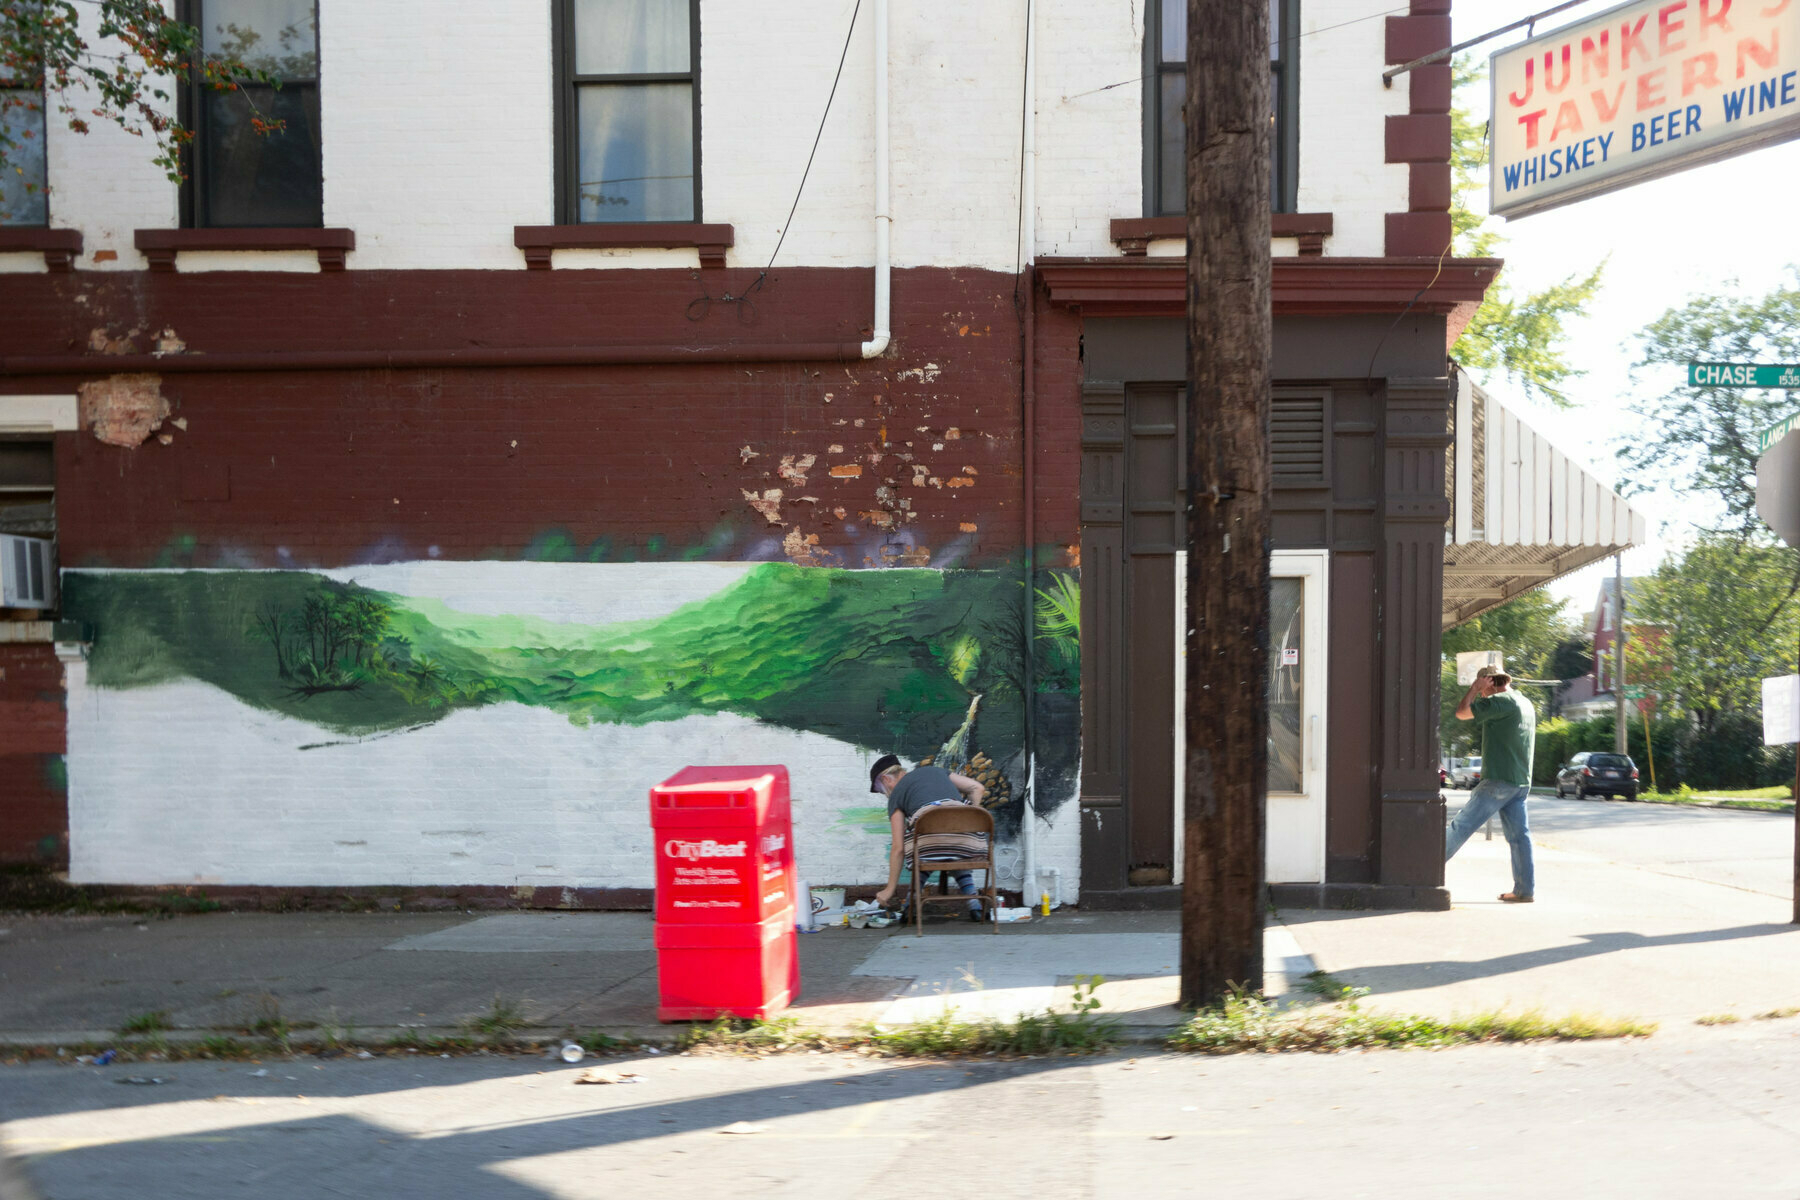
pixel 430 480
pixel 1595 694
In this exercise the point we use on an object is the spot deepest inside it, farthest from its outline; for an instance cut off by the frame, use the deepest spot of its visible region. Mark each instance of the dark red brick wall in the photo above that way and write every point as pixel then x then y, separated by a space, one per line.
pixel 34 809
pixel 323 468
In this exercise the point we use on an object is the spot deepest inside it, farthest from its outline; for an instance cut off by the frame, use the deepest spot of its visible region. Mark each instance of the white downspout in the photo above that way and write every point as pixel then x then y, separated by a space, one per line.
pixel 884 220
pixel 1027 251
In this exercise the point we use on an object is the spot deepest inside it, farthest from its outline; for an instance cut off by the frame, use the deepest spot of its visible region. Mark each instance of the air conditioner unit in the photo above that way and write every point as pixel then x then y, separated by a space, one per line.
pixel 27 572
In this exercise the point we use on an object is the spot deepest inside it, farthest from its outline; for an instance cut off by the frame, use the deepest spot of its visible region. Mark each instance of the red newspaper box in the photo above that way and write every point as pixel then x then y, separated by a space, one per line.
pixel 725 942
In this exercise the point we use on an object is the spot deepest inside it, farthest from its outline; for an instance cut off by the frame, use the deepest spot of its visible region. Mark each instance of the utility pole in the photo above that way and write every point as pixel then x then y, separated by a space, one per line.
pixel 1229 344
pixel 1619 653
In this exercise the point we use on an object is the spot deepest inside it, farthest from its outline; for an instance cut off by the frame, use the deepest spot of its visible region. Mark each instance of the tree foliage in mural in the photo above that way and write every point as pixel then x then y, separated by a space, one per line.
pixel 901 659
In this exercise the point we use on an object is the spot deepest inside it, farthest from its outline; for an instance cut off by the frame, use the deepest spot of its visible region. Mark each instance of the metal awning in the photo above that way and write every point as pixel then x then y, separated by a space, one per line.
pixel 1521 511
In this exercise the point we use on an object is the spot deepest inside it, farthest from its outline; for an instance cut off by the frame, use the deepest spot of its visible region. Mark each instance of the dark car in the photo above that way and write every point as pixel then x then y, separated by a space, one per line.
pixel 1592 773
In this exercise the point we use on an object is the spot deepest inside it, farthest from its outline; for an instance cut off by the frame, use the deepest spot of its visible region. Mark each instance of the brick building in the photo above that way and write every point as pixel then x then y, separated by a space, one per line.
pixel 433 477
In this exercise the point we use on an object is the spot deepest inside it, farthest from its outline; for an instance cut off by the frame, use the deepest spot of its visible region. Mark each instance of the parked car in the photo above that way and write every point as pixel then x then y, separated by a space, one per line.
pixel 1467 773
pixel 1592 773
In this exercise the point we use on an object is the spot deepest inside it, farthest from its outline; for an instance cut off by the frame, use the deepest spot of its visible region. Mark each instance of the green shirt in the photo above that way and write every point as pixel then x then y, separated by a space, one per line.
pixel 1508 733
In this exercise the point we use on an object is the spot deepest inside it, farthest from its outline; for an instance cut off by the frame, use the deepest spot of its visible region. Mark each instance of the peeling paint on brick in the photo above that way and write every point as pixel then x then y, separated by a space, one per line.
pixel 846 471
pixel 768 504
pixel 169 342
pixel 124 410
pixel 967 527
pixel 794 469
pixel 958 481
pixel 102 342
pixel 746 454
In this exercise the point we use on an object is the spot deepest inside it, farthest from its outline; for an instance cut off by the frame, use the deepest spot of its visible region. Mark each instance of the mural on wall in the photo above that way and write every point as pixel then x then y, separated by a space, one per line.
pixel 927 663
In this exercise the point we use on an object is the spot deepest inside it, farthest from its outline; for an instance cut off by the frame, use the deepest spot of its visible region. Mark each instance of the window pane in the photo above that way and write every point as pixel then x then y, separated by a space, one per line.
pixel 636 152
pixel 22 198
pixel 1275 188
pixel 252 179
pixel 1274 29
pixel 1174 31
pixel 1171 154
pixel 1286 633
pixel 277 36
pixel 631 37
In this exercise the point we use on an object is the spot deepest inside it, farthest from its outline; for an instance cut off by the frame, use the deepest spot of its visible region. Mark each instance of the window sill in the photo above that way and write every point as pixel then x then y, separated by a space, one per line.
pixel 538 241
pixel 60 246
pixel 161 246
pixel 1133 235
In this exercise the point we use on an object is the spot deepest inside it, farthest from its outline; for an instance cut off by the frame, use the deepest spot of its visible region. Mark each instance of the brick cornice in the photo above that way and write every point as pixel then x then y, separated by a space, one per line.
pixel 538 241
pixel 161 246
pixel 1157 287
pixel 60 247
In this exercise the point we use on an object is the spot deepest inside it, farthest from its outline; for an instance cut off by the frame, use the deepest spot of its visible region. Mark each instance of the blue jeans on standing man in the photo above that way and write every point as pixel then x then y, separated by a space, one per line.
pixel 1508 799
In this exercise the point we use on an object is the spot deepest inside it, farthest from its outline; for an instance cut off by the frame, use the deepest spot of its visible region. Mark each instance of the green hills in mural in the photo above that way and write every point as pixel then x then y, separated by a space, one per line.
pixel 875 658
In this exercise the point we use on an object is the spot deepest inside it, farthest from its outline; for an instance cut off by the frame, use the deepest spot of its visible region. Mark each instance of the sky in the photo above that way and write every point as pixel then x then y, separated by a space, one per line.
pixel 1683 235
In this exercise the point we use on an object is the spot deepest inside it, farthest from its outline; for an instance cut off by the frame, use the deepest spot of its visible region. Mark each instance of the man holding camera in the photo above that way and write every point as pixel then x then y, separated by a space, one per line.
pixel 1508 734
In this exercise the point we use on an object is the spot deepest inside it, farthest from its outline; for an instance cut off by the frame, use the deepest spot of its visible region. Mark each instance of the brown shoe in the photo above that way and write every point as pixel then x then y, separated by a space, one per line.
pixel 1514 898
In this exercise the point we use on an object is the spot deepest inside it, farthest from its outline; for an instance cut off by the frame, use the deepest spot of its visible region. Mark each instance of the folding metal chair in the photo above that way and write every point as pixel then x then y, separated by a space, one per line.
pixel 951 818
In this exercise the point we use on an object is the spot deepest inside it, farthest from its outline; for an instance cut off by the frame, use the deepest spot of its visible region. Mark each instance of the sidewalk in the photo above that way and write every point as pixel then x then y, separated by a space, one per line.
pixel 1609 940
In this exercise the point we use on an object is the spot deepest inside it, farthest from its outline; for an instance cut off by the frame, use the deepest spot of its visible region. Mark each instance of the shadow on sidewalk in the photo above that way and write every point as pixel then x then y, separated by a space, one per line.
pixel 1396 977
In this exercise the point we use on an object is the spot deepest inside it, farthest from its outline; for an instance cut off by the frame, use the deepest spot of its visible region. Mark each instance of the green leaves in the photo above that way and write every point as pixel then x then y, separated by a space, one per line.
pixel 126 80
pixel 1521 336
pixel 1705 438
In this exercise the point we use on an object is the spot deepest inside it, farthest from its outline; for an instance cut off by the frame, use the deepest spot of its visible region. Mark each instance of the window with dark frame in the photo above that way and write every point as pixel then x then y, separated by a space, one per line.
pixel 1165 91
pixel 627 110
pixel 24 195
pixel 240 177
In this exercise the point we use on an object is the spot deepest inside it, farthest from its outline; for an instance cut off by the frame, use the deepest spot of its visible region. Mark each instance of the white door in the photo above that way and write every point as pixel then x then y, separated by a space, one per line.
pixel 1296 804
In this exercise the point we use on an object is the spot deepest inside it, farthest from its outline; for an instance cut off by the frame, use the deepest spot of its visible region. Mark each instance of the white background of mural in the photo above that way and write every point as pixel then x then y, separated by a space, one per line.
pixel 183 783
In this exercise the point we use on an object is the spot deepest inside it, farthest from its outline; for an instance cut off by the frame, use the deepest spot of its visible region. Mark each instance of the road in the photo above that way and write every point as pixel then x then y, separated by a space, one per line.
pixel 1704 1112
pixel 1737 848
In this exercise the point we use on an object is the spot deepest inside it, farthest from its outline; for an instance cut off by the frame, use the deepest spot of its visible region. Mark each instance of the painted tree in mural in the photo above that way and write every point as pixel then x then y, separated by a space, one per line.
pixel 912 660
pixel 1520 335
pixel 46 62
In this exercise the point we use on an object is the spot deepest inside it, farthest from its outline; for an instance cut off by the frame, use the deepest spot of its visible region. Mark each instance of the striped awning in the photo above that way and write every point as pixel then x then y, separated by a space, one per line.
pixel 1521 511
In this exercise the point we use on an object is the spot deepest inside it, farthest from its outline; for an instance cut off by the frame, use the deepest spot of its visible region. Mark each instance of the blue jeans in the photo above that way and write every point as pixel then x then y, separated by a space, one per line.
pixel 1508 799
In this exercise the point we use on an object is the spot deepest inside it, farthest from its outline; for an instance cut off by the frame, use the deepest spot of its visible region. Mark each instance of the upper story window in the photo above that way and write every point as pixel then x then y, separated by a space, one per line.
pixel 239 174
pixel 627 112
pixel 23 199
pixel 1165 182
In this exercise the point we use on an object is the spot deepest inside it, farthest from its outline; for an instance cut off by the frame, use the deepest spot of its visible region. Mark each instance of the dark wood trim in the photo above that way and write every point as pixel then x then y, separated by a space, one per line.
pixel 566 120
pixel 537 241
pixel 60 246
pixel 1157 287
pixel 161 246
pixel 1134 234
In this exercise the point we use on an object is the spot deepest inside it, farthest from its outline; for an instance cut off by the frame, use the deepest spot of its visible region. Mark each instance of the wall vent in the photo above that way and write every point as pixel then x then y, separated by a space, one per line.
pixel 1297 439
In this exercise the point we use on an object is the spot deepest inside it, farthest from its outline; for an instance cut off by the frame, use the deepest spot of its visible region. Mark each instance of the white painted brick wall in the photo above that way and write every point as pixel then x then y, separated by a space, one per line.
pixel 436 128
pixel 437 133
pixel 1343 127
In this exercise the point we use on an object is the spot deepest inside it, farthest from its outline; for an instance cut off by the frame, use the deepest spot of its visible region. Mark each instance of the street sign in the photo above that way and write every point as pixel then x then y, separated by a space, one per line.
pixel 1769 375
pixel 1635 691
pixel 1778 487
pixel 1776 432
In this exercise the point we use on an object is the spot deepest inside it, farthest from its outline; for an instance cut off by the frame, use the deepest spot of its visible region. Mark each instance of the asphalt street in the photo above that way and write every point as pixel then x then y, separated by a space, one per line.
pixel 1704 1112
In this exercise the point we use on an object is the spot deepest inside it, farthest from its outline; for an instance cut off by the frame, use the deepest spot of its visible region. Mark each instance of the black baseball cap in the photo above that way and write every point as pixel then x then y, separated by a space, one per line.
pixel 883 765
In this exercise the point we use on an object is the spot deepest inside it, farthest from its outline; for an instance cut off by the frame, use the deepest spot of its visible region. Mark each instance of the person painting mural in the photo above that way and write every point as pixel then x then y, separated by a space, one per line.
pixel 908 794
pixel 1508 734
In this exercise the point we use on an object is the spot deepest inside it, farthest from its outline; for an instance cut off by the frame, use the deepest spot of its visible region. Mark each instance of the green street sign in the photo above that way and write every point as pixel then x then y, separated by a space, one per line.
pixel 1770 375
pixel 1776 432
pixel 1635 691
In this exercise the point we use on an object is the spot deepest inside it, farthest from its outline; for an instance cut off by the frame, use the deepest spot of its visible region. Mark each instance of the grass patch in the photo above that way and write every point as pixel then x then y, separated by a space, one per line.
pixel 1081 1030
pixel 1329 987
pixel 154 1021
pixel 503 1018
pixel 1718 1019
pixel 1778 1014
pixel 1769 799
pixel 33 887
pixel 756 1036
pixel 1250 1023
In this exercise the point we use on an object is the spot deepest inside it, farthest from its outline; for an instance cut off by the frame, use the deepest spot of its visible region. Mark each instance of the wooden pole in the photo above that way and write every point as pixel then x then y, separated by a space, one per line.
pixel 1229 342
